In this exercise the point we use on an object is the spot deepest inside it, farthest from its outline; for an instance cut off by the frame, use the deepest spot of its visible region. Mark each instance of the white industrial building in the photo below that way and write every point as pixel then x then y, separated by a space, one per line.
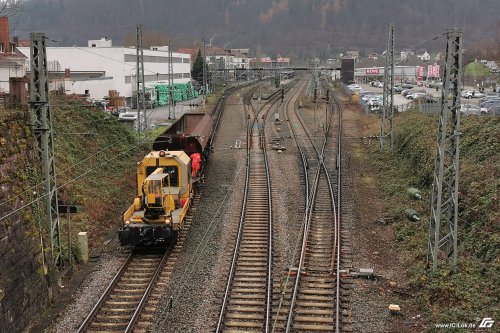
pixel 218 58
pixel 100 67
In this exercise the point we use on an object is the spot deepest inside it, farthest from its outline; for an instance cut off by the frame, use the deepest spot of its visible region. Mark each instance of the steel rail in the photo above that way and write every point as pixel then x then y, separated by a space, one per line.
pixel 220 322
pixel 308 217
pixel 104 296
pixel 108 292
pixel 251 126
pixel 147 292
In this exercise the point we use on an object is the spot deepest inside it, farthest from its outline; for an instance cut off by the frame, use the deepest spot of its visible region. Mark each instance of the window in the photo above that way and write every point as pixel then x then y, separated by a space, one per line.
pixel 93 45
pixel 156 59
pixel 172 170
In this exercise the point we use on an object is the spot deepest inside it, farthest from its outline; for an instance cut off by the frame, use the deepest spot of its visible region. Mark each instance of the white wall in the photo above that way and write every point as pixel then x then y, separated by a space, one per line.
pixel 111 61
pixel 12 68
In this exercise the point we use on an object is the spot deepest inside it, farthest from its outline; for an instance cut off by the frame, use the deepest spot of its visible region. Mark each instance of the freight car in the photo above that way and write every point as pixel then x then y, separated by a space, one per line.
pixel 191 133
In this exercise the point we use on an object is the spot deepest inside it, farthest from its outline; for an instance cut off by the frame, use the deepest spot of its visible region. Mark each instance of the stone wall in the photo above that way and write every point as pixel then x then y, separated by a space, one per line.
pixel 25 278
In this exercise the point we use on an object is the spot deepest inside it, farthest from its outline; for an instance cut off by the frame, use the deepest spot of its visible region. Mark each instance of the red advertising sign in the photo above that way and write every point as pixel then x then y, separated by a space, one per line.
pixel 433 70
pixel 265 59
pixel 373 71
pixel 420 73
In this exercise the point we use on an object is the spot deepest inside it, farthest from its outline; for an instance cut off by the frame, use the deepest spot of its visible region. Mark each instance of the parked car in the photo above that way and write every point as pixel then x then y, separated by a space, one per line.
pixel 398 89
pixel 374 108
pixel 118 111
pixel 416 95
pixel 406 86
pixel 374 102
pixel 366 92
pixel 472 94
pixel 472 109
pixel 367 97
pixel 433 84
pixel 405 92
pixel 494 109
pixel 428 98
pixel 354 87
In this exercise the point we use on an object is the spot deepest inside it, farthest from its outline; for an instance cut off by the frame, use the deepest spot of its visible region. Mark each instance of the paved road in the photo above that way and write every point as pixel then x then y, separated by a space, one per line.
pixel 160 114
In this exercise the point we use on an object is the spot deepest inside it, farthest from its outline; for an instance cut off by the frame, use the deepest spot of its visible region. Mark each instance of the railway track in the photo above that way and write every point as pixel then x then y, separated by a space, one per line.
pixel 309 298
pixel 247 302
pixel 247 298
pixel 130 301
pixel 129 289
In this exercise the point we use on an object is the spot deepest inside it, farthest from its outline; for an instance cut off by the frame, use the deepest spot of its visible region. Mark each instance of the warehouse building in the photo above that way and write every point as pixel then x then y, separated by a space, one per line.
pixel 97 69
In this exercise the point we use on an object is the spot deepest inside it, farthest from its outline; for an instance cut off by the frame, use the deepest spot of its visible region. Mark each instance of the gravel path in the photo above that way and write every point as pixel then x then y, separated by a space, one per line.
pixel 373 243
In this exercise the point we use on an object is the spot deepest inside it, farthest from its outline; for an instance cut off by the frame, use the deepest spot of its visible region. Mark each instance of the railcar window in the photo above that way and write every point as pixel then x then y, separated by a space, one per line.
pixel 173 170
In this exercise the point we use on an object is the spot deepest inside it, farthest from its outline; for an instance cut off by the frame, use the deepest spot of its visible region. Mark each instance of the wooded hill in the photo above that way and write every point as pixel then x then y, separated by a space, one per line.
pixel 285 27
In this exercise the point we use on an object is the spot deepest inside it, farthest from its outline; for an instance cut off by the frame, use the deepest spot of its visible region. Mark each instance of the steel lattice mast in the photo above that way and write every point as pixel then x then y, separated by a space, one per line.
pixel 41 120
pixel 171 104
pixel 141 87
pixel 444 206
pixel 388 96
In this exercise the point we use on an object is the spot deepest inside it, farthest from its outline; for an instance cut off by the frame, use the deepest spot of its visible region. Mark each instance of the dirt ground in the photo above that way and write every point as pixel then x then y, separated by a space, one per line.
pixel 373 242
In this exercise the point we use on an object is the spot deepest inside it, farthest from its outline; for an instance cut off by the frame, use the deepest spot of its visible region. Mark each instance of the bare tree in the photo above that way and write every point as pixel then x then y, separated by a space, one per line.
pixel 10 7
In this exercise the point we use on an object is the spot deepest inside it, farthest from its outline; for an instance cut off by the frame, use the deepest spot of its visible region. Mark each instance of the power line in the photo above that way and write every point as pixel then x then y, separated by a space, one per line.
pixel 103 163
pixel 60 173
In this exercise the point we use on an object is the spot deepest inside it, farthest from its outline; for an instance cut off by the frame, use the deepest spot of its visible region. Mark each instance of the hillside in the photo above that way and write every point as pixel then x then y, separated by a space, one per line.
pixel 286 27
pixel 445 296
pixel 96 158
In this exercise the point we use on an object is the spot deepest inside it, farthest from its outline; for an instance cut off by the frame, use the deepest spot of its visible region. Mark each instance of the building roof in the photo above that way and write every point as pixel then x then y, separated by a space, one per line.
pixel 193 52
pixel 216 50
pixel 14 56
pixel 24 43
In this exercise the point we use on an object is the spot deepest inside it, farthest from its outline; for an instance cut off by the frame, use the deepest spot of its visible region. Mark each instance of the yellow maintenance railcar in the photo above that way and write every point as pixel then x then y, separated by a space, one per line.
pixel 164 191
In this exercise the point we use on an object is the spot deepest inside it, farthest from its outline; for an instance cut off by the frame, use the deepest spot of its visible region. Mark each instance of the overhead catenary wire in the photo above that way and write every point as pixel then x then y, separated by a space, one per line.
pixel 112 59
pixel 59 173
pixel 42 196
pixel 31 188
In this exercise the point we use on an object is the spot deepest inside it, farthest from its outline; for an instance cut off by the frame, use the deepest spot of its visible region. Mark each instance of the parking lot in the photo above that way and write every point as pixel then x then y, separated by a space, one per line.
pixel 472 102
pixel 400 100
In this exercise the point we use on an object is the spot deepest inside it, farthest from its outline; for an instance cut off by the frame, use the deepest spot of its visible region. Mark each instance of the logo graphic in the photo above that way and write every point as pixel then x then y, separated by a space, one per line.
pixel 487 323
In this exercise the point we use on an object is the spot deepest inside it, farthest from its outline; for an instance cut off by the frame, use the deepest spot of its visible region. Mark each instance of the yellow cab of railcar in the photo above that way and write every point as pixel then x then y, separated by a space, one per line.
pixel 164 189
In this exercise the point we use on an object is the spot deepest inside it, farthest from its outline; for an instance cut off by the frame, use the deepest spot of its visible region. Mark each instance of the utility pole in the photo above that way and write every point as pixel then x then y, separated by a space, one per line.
pixel 443 224
pixel 41 120
pixel 388 96
pixel 204 70
pixel 171 104
pixel 141 88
